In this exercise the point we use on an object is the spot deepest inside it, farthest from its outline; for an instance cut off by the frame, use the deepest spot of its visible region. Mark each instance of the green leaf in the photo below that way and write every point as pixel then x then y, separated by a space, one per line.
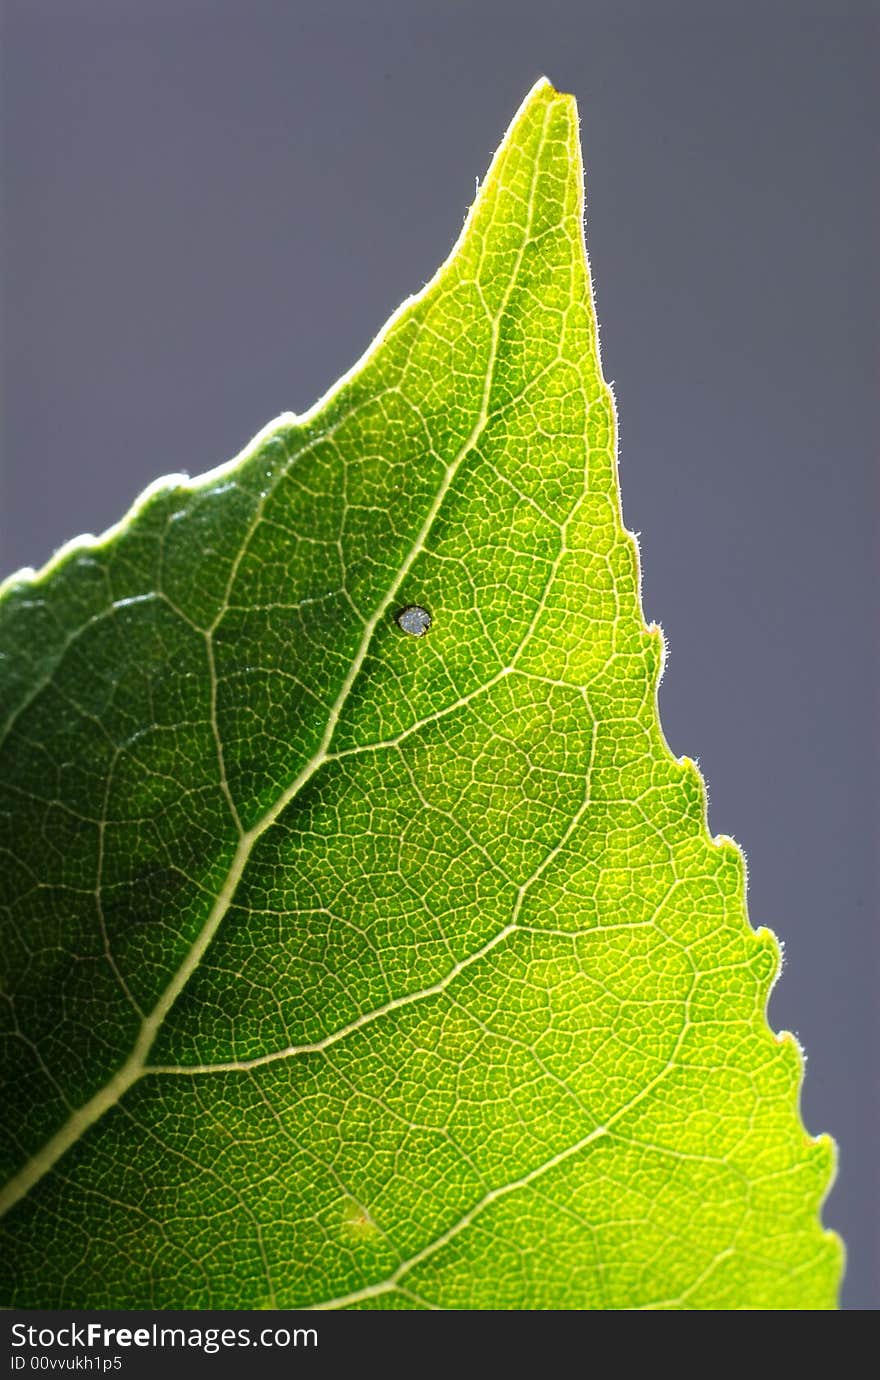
pixel 352 968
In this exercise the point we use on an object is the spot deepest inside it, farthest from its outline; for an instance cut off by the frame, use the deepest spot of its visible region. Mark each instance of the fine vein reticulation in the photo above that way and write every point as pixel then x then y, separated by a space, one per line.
pixel 350 969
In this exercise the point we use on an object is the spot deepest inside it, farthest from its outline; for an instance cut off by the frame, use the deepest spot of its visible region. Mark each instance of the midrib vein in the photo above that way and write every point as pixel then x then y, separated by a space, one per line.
pixel 135 1065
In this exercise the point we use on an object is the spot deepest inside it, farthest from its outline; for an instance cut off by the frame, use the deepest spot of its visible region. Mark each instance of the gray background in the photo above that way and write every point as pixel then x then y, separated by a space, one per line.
pixel 210 208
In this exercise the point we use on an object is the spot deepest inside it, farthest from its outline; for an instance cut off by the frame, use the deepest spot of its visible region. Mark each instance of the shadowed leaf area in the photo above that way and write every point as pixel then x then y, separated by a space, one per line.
pixel 364 945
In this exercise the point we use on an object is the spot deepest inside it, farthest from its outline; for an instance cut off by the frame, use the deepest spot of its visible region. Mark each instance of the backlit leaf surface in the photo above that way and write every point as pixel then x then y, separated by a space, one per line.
pixel 351 968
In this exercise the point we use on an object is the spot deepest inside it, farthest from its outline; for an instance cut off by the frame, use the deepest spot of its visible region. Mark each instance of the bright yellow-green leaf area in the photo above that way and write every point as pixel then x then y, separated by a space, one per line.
pixel 346 967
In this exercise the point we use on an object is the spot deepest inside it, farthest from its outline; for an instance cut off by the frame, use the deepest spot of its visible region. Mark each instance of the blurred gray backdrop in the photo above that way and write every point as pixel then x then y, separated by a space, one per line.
pixel 210 206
